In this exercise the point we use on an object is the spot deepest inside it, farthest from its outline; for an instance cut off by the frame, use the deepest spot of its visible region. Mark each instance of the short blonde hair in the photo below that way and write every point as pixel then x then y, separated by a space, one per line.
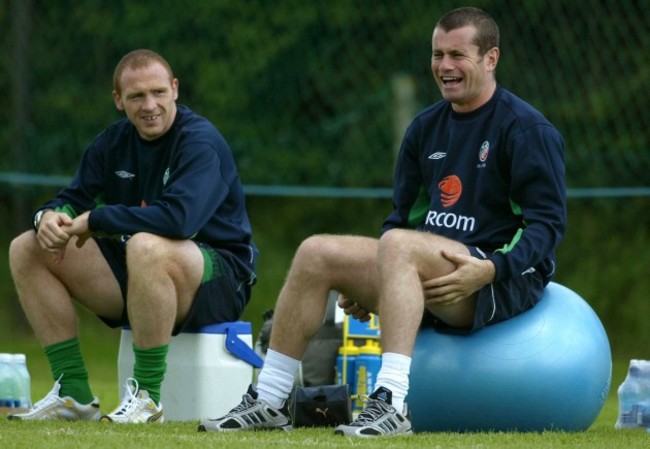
pixel 136 60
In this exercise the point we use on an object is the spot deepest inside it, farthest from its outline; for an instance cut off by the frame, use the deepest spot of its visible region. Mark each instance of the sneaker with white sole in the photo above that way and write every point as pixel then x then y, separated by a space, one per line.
pixel 379 418
pixel 54 407
pixel 250 414
pixel 136 407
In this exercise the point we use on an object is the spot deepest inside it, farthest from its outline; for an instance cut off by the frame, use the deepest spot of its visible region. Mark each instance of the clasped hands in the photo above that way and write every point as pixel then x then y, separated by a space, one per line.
pixel 56 229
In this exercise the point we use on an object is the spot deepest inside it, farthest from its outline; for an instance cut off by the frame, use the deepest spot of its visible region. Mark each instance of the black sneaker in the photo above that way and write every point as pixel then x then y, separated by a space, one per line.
pixel 250 414
pixel 379 418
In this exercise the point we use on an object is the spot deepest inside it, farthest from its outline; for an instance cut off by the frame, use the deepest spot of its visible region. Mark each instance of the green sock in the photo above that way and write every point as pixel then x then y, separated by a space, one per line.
pixel 149 370
pixel 67 365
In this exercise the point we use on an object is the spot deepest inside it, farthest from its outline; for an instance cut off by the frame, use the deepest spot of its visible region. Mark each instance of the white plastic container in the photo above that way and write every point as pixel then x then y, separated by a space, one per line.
pixel 207 371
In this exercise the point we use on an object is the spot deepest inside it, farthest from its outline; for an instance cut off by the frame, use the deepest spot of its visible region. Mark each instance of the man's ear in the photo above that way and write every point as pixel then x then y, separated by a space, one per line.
pixel 175 89
pixel 492 58
pixel 117 99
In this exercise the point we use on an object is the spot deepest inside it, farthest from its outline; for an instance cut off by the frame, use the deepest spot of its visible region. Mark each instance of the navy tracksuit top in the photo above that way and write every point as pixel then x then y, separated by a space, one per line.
pixel 182 185
pixel 492 178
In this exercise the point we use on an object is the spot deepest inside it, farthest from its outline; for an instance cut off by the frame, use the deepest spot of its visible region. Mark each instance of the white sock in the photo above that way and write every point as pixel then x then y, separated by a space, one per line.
pixel 394 375
pixel 275 382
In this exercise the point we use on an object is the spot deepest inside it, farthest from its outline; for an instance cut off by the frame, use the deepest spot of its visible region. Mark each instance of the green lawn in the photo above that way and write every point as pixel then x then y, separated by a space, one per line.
pixel 101 350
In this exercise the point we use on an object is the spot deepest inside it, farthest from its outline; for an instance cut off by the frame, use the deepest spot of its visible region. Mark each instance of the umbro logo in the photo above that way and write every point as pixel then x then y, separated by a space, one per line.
pixel 437 155
pixel 124 174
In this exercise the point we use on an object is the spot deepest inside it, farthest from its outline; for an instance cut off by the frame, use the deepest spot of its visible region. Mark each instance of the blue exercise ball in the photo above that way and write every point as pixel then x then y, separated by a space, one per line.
pixel 549 368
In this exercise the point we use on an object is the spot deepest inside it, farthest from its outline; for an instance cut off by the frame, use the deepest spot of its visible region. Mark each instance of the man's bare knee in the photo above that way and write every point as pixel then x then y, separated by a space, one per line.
pixel 314 254
pixel 394 237
pixel 396 244
pixel 145 247
pixel 22 250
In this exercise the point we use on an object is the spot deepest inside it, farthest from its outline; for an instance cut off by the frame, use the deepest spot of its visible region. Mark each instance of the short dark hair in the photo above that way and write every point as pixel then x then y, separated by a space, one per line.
pixel 136 60
pixel 487 30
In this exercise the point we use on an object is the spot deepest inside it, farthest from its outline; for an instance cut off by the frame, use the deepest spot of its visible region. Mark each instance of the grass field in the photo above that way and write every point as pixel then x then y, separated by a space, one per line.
pixel 101 355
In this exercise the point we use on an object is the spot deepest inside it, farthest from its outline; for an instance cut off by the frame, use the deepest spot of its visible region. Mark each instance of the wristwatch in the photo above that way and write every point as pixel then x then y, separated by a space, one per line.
pixel 37 219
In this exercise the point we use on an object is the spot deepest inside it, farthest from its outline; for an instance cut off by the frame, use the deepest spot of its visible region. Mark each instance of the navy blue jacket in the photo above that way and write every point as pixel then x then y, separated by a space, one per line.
pixel 492 178
pixel 183 185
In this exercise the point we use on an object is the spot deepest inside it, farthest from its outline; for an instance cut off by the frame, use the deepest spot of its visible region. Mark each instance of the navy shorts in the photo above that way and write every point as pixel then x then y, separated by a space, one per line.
pixel 498 301
pixel 221 297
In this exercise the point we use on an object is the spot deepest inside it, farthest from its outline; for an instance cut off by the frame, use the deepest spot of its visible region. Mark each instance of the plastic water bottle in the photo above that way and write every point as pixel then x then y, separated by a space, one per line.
pixel 368 365
pixel 346 363
pixel 23 394
pixel 634 396
pixel 7 381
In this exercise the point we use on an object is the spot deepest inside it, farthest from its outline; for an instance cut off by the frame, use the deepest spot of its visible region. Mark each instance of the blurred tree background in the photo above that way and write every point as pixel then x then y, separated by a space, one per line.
pixel 313 97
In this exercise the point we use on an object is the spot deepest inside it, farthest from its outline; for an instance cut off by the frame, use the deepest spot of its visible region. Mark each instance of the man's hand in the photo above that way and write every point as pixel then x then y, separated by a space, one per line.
pixel 353 309
pixel 79 227
pixel 469 276
pixel 52 235
pixel 56 230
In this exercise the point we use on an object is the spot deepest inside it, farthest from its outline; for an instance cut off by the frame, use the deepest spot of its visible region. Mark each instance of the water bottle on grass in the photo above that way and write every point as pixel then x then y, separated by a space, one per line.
pixel 7 382
pixel 634 397
pixel 23 397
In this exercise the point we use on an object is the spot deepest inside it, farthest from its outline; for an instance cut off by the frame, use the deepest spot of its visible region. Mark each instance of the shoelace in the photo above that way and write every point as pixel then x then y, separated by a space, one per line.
pixel 373 410
pixel 132 387
pixel 246 403
pixel 50 398
pixel 47 400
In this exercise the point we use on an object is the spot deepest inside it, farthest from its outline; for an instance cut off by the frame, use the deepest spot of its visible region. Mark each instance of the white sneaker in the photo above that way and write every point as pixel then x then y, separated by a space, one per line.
pixel 136 407
pixel 54 407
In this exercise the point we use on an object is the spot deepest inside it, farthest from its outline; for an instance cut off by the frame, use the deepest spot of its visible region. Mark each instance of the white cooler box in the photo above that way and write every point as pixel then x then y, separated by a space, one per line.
pixel 208 371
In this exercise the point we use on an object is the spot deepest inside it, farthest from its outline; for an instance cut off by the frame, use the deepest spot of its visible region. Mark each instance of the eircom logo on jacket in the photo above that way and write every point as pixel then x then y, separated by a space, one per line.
pixel 451 190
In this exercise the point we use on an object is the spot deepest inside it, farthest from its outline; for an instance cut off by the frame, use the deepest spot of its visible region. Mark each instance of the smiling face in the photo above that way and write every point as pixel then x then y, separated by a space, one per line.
pixel 464 76
pixel 148 96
